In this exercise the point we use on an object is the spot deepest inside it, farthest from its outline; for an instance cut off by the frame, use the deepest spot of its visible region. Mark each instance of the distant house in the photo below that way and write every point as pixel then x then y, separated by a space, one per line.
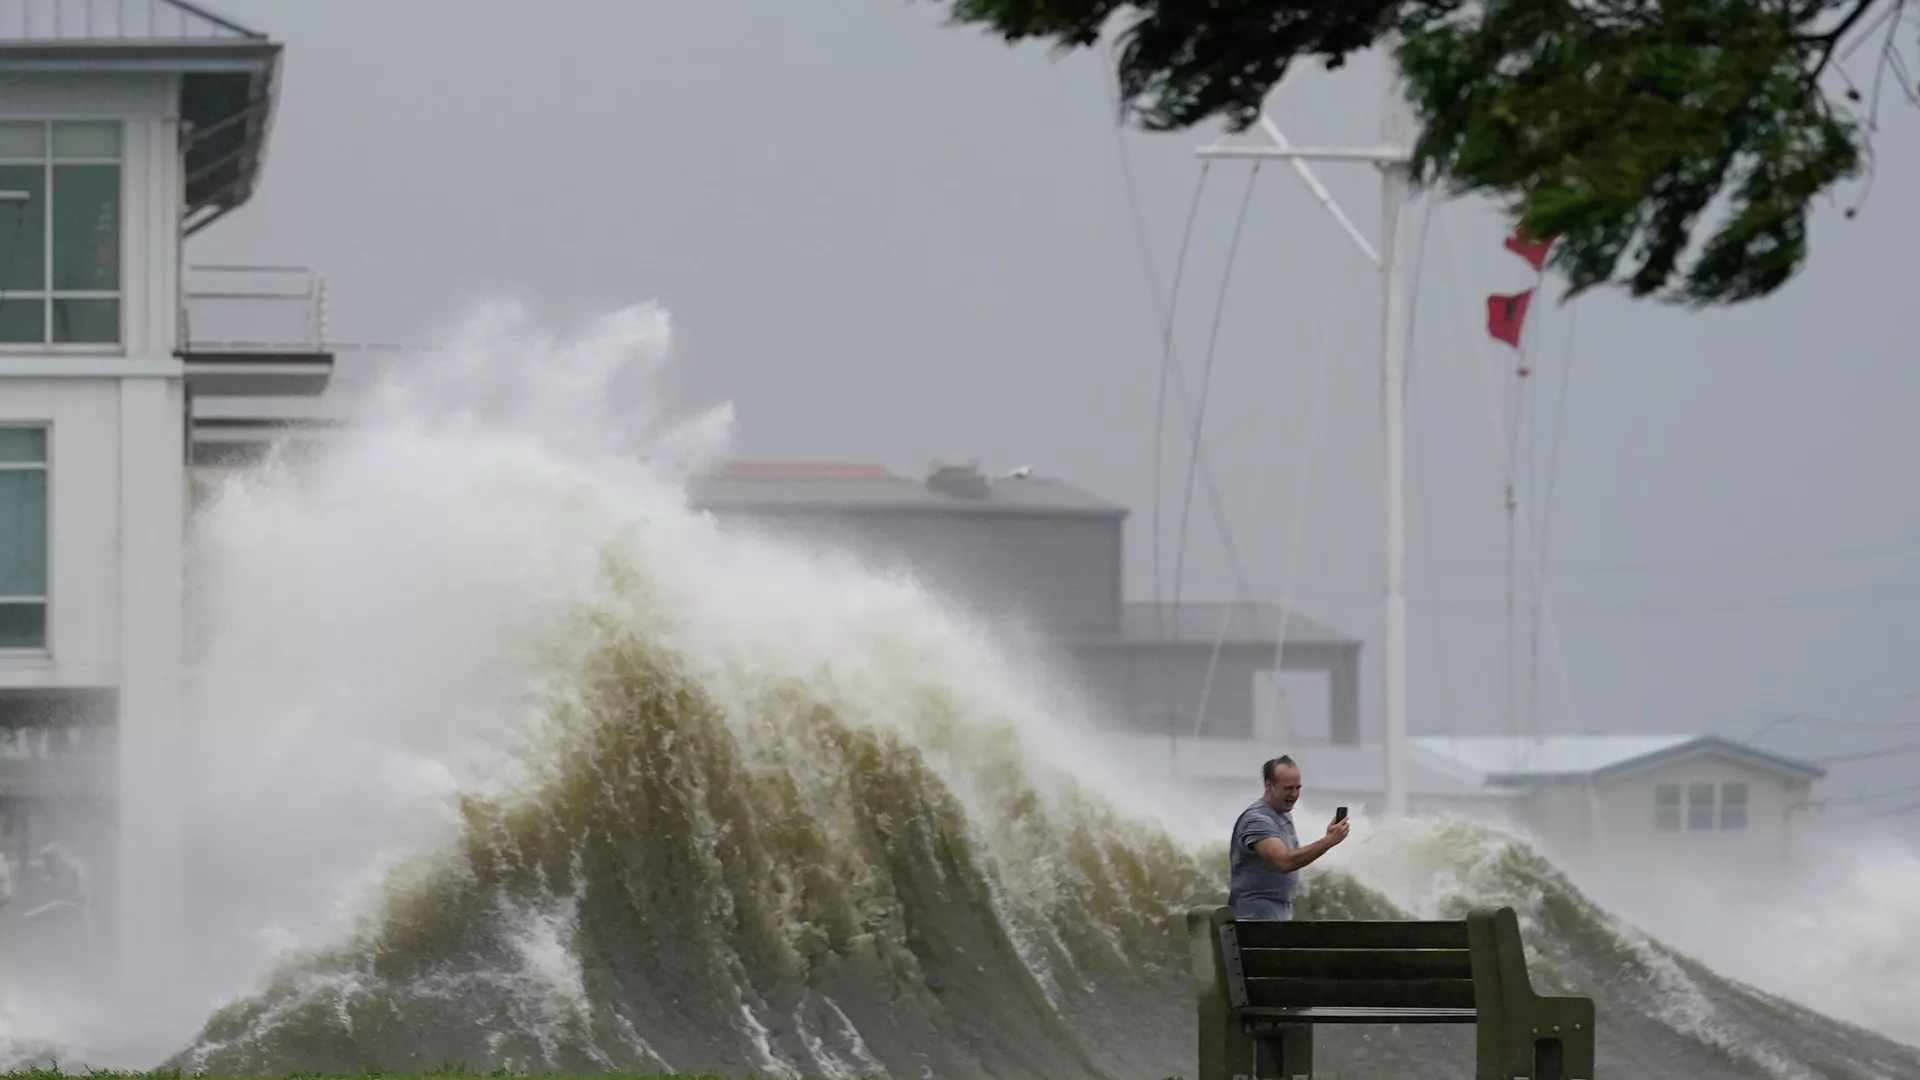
pixel 1682 798
pixel 1689 800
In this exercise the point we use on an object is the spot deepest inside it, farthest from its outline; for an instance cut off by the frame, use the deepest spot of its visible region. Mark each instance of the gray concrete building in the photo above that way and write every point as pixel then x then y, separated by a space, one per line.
pixel 1049 557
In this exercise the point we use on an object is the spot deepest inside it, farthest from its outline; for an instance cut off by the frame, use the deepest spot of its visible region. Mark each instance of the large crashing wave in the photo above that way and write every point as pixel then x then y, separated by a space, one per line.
pixel 781 890
pixel 515 762
pixel 817 898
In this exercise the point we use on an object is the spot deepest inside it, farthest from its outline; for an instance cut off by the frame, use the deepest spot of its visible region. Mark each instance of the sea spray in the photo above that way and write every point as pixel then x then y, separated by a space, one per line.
pixel 1838 931
pixel 527 550
pixel 763 808
pixel 512 759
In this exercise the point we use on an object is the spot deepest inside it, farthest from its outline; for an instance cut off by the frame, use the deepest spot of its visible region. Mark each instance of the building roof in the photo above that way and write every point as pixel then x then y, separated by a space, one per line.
pixel 119 21
pixel 227 75
pixel 1360 769
pixel 844 488
pixel 1199 623
pixel 226 427
pixel 802 470
pixel 1500 760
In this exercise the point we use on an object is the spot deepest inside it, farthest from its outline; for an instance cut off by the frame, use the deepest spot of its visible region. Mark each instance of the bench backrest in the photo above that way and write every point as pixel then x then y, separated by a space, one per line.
pixel 1348 964
pixel 1473 969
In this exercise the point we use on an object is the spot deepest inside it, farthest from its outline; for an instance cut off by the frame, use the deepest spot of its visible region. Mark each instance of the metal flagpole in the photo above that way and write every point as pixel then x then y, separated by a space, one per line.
pixel 1391 157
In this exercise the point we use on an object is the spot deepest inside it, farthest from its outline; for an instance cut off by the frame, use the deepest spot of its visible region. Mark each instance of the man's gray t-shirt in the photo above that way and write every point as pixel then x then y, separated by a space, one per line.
pixel 1249 874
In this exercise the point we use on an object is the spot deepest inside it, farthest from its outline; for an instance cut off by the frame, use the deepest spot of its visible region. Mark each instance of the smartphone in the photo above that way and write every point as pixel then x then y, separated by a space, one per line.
pixel 1339 813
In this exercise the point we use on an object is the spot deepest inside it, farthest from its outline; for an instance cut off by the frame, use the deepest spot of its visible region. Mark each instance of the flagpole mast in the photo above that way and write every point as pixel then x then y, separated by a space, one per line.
pixel 1393 406
pixel 1391 157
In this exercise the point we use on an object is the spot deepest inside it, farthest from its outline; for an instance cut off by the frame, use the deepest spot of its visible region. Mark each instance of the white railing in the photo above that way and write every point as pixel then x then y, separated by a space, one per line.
pixel 238 308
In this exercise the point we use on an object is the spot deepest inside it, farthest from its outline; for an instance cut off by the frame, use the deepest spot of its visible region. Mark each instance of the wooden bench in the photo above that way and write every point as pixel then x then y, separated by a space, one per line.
pixel 1262 986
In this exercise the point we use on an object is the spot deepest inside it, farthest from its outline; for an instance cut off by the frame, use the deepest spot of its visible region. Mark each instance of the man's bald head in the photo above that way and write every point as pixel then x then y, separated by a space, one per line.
pixel 1282 779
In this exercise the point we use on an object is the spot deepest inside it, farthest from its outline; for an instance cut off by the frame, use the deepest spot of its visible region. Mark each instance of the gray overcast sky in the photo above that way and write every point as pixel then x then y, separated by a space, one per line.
pixel 886 239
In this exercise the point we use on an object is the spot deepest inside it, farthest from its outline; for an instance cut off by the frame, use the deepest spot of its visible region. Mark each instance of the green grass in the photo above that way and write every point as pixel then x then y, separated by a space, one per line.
pixel 449 1073
pixel 431 1075
pixel 435 1074
pixel 371 1075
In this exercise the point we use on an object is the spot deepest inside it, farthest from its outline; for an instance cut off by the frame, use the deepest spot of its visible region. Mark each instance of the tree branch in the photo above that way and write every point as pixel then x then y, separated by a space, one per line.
pixel 1830 40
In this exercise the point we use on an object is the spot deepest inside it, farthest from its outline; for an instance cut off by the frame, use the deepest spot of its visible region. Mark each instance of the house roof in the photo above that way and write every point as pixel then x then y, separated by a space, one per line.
pixel 227 78
pixel 1359 769
pixel 1200 623
pixel 1499 760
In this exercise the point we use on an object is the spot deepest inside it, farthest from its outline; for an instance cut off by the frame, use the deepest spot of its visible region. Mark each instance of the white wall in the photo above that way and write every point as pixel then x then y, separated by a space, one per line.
pixel 117 490
pixel 152 626
pixel 115 412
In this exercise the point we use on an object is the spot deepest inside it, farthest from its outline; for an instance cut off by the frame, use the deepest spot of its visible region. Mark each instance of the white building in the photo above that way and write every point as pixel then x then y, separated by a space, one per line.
pixel 1678 801
pixel 124 129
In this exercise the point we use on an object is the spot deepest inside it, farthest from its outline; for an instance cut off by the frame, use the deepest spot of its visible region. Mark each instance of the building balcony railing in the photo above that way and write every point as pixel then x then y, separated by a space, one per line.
pixel 235 308
pixel 255 331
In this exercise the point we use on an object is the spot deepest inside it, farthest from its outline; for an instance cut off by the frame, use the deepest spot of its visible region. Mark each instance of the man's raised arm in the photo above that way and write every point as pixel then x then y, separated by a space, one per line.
pixel 1274 849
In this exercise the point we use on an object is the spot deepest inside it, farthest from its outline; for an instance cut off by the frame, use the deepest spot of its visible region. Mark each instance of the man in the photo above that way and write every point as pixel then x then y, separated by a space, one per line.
pixel 1264 865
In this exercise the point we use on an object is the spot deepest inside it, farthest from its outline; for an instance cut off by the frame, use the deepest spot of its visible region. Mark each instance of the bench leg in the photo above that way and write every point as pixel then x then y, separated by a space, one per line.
pixel 1227 1052
pixel 1553 1040
pixel 1569 1021
pixel 1286 1053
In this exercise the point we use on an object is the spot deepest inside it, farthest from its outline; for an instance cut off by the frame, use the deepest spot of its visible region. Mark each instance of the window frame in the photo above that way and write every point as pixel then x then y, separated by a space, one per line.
pixel 1744 804
pixel 1710 813
pixel 45 467
pixel 46 295
pixel 1662 808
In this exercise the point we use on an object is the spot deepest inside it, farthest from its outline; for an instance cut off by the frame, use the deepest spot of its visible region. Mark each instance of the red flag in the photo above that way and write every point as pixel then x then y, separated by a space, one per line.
pixel 1534 251
pixel 1505 314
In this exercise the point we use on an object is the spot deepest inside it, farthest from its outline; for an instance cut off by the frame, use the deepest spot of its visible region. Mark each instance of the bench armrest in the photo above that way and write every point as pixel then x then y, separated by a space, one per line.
pixel 1526 1034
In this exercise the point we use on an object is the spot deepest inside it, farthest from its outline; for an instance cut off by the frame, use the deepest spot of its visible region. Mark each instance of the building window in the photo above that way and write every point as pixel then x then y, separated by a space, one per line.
pixel 1699 807
pixel 1666 807
pixel 1733 806
pixel 23 538
pixel 60 233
